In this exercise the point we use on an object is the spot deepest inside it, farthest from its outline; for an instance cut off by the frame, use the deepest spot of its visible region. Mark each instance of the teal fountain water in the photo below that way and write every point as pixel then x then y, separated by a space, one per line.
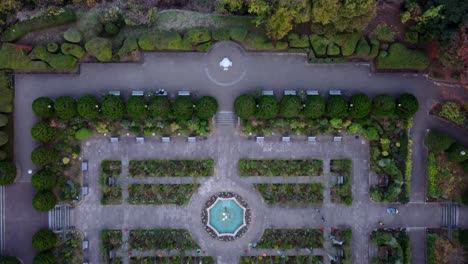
pixel 226 216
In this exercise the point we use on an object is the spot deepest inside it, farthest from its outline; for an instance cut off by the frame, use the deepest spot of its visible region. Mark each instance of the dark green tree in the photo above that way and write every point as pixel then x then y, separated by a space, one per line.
pixel 245 106
pixel 43 180
pixel 206 107
pixel 43 107
pixel 268 107
pixel 183 107
pixel 290 106
pixel 314 106
pixel 458 153
pixel 88 107
pixel 438 141
pixel 113 107
pixel 42 132
pixel 65 107
pixel 136 107
pixel 383 105
pixel 407 105
pixel 9 260
pixel 337 106
pixel 42 156
pixel 44 201
pixel 45 258
pixel 7 172
pixel 360 106
pixel 44 240
pixel 160 107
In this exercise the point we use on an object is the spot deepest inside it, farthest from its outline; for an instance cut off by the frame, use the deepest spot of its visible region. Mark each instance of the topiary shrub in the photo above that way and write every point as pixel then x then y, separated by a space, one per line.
pixel 375 47
pixel 314 106
pixel 337 106
pixel 360 106
pixel 129 45
pixel 238 34
pixel 183 107
pixel 136 107
pixel 259 41
pixel 45 258
pixel 3 120
pixel 383 105
pixel 43 107
pixel 298 41
pixel 88 107
pixel 7 172
pixel 43 132
pixel 3 155
pixel 3 138
pixel 458 153
pixel 204 47
pixel 290 106
pixel 206 107
pixel 111 29
pixel 73 50
pixel 61 61
pixel 160 107
pixel 65 107
pixel 438 141
pixel 372 133
pixel 113 106
pixel 333 50
pixel 11 57
pixel 245 106
pixel 363 48
pixel 319 44
pixel 221 34
pixel 73 35
pixel 407 105
pixel 347 42
pixel 268 107
pixel 52 47
pixel 9 260
pixel 401 58
pixel 355 129
pixel 44 201
pixel 44 240
pixel 101 48
pixel 83 134
pixel 162 40
pixel 42 156
pixel 43 180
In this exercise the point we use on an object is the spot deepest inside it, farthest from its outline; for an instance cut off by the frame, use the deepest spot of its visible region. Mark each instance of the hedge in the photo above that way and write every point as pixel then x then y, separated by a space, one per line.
pixel 337 106
pixel 111 29
pixel 3 155
pixel 43 107
pixel 129 45
pixel 83 134
pixel 113 106
pixel 42 156
pixel 43 180
pixel 197 35
pixel 438 141
pixel 268 107
pixel 160 107
pixel 9 260
pixel 333 50
pixel 245 106
pixel 73 49
pixel 46 20
pixel 360 106
pixel 221 34
pixel 136 107
pixel 375 47
pixel 238 34
pixel 45 258
pixel 363 48
pixel 65 107
pixel 3 138
pixel 400 58
pixel 52 47
pixel 206 107
pixel 347 42
pixel 43 132
pixel 290 106
pixel 88 107
pixel 44 240
pixel 73 35
pixel 7 172
pixel 314 106
pixel 319 44
pixel 383 105
pixel 298 41
pixel 101 48
pixel 44 201
pixel 183 107
pixel 15 58
pixel 407 105
pixel 161 40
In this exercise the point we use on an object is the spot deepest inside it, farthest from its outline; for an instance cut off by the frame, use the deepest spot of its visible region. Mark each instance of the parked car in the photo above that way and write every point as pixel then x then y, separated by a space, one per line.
pixel 392 211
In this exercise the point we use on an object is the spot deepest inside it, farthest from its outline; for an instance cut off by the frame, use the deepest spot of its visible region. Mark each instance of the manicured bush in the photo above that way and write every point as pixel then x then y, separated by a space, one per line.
pixel 65 107
pixel 88 107
pixel 3 138
pixel 298 41
pixel 453 112
pixel 360 106
pixel 43 107
pixel 83 134
pixel 363 48
pixel 268 107
pixel 113 106
pixel 290 106
pixel 43 180
pixel 407 105
pixel 355 129
pixel 44 240
pixel 458 153
pixel 45 258
pixel 61 61
pixel 383 105
pixel 162 40
pixel 245 106
pixel 44 201
pixel 52 47
pixel 347 42
pixel 238 34
pixel 438 141
pixel 39 52
pixel 197 36
pixel 337 106
pixel 46 20
pixel 314 106
pixel 129 45
pixel 7 172
pixel 73 35
pixel 183 107
pixel 259 41
pixel 9 260
pixel 111 29
pixel 3 120
pixel 384 33
pixel 73 49
pixel 333 50
pixel 101 48
pixel 160 107
pixel 136 107
pixel 319 44
pixel 3 155
pixel 375 47
pixel 206 107
pixel 221 34
pixel 401 58
pixel 204 47
pixel 43 132
pixel 42 156
pixel 15 58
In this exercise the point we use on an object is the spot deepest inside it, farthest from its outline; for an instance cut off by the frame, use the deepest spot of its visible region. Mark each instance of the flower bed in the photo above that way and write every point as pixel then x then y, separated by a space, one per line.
pixel 342 193
pixel 291 239
pixel 397 243
pixel 441 249
pixel 179 168
pixel 70 250
pixel 172 260
pixel 280 167
pixel 345 235
pixel 111 194
pixel 178 194
pixel 291 194
pixel 161 239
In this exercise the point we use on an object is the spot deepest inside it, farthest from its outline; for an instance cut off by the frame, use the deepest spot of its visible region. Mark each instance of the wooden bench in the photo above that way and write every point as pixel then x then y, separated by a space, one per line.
pixel 114 140
pixel 337 139
pixel 289 92
pixel 192 139
pixel 138 93
pixel 286 139
pixel 260 139
pixel 166 139
pixel 140 140
pixel 312 92
pixel 268 92
pixel 183 93
pixel 116 93
pixel 312 139
pixel 335 92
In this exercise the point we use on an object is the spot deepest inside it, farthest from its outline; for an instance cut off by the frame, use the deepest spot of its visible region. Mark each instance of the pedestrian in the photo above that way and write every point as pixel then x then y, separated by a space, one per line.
pixel 323 218
pixel 317 210
pixel 255 245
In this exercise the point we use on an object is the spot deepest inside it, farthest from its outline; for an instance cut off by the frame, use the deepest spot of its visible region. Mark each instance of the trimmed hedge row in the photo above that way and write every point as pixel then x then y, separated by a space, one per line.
pixel 400 58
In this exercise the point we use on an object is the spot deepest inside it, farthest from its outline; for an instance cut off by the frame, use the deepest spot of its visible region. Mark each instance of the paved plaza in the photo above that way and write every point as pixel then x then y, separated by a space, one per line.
pixel 199 73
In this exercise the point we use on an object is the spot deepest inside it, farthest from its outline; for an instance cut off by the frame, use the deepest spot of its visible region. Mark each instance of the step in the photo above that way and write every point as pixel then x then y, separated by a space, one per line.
pixel 225 118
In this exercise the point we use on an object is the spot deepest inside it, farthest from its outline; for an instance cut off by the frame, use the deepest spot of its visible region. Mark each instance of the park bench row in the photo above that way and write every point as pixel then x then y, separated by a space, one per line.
pixel 142 139
pixel 288 139
pixel 159 92
pixel 308 92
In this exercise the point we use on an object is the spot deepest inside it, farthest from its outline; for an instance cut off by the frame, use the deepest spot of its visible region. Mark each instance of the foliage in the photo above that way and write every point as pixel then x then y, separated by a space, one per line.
pixel 452 112
pixel 3 138
pixel 44 201
pixel 407 105
pixel 129 45
pixel 290 106
pixel 245 106
pixel 457 153
pixel 363 48
pixel 9 260
pixel 342 193
pixel 383 106
pixel 15 58
pixel 375 47
pixel 291 239
pixel 45 258
pixel 73 35
pixel 6 100
pixel 42 156
pixel 111 29
pixel 197 35
pixel 206 107
pixel 161 239
pixel 83 134
pixel 178 194
pixel 3 120
pixel 347 42
pixel 161 40
pixel 298 41
pixel 160 107
pixel 384 32
pixel 43 180
pixel 88 107
pixel 337 106
pixel 268 107
pixel 110 194
pixel 221 34
pixel 111 239
pixel 183 107
pixel 101 48
pixel 43 132
pixel 333 50
pixel 360 106
pixel 238 34
pixel 43 107
pixel 136 107
pixel 438 141
pixel 280 167
pixel 401 58
pixel 319 44
pixel 73 49
pixel 113 107
pixel 65 107
pixel 7 172
pixel 278 24
pixel 173 168
pixel 44 240
pixel 52 47
pixel 291 194
pixel 314 106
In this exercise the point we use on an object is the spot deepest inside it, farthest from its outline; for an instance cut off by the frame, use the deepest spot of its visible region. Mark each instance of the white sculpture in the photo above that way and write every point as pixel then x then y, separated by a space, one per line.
pixel 225 64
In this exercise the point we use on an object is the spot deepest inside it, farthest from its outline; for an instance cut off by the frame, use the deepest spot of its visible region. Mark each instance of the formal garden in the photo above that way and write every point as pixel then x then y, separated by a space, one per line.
pixel 52 249
pixel 342 193
pixel 393 246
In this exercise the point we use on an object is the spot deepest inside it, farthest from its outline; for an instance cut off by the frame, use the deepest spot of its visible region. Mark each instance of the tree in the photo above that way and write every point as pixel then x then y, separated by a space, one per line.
pixel 438 141
pixel 314 106
pixel 206 107
pixel 383 105
pixel 337 106
pixel 245 106
pixel 360 106
pixel 7 172
pixel 407 105
pixel 3 138
pixel 45 258
pixel 42 132
pixel 3 120
pixel 268 107
pixel 44 201
pixel 65 107
pixel 290 106
pixel 9 260
pixel 43 180
pixel 136 107
pixel 458 153
pixel 160 107
pixel 44 240
pixel 113 107
pixel 43 107
pixel 183 107
pixel 42 156
pixel 88 107
pixel 278 24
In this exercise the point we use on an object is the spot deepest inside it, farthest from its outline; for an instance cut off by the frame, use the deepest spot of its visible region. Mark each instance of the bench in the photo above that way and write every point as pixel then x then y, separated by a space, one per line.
pixel 289 92
pixel 312 139
pixel 138 93
pixel 85 190
pixel 268 92
pixel 191 139
pixel 161 92
pixel 312 92
pixel 84 165
pixel 337 139
pixel 116 93
pixel 286 139
pixel 335 92
pixel 110 181
pixel 166 139
pixel 114 139
pixel 85 244
pixel 260 139
pixel 340 180
pixel 140 140
pixel 183 93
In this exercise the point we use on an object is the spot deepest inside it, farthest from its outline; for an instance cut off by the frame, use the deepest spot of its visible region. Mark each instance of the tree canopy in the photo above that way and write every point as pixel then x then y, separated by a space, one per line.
pixel 245 106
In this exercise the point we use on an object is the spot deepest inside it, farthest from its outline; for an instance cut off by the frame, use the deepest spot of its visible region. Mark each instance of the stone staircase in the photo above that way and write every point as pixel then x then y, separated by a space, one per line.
pixel 226 118
pixel 450 217
pixel 60 218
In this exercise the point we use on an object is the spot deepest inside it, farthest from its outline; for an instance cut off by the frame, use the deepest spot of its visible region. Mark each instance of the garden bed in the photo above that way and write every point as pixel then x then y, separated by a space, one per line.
pixel 280 167
pixel 291 194
pixel 440 249
pixel 286 260
pixel 111 193
pixel 173 260
pixel 111 240
pixel 161 239
pixel 178 194
pixel 394 243
pixel 70 250
pixel 452 112
pixel 173 168
pixel 345 235
pixel 342 193
pixel 286 239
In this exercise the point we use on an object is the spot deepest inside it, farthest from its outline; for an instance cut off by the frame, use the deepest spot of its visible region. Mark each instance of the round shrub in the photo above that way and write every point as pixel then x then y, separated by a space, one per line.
pixel 160 107
pixel 42 132
pixel 42 156
pixel 83 133
pixel 3 138
pixel 113 106
pixel 458 153
pixel 74 50
pixel 44 201
pixel 207 107
pixel 43 180
pixel 136 107
pixel 383 105
pixel 111 29
pixel 3 120
pixel 360 106
pixel 65 107
pixel 238 34
pixel 44 239
pixel 52 47
pixel 9 260
pixel 245 106
pixel 88 107
pixel 314 106
pixel 43 107
pixel 72 35
pixel 101 48
pixel 7 172
pixel 372 133
pixel 3 155
pixel 337 106
pixel 355 129
pixel 290 106
pixel 438 141
pixel 197 35
pixel 407 105
pixel 45 258
pixel 183 107
pixel 268 107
